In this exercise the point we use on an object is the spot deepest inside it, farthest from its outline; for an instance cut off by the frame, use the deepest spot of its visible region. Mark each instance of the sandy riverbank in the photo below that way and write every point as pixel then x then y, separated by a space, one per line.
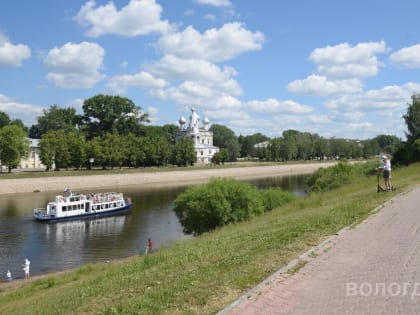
pixel 153 179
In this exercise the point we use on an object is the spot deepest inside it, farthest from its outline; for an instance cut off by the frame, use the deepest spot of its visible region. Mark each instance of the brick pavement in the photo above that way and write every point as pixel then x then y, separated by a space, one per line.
pixel 373 268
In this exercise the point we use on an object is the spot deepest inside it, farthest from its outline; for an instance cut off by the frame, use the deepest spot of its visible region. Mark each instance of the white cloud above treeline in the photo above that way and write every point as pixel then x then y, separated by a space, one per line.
pixel 12 55
pixel 216 45
pixel 408 57
pixel 75 65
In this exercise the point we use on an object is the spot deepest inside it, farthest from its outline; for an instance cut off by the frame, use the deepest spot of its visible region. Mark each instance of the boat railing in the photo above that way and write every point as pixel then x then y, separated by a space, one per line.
pixel 106 197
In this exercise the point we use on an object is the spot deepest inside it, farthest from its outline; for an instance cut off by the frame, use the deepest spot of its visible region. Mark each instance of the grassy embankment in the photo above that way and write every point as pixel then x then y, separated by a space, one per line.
pixel 202 275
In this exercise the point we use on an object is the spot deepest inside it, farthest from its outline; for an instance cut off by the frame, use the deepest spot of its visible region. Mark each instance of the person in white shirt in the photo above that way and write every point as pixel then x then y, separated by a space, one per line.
pixel 26 268
pixel 9 275
pixel 386 166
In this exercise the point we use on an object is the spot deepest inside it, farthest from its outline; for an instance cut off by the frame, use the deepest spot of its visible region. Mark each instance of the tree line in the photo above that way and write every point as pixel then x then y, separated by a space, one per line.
pixel 294 145
pixel 114 132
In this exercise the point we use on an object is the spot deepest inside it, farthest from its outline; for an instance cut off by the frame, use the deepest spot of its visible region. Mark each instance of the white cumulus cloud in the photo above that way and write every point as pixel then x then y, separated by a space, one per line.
pixel 12 55
pixel 138 17
pixel 119 83
pixel 214 45
pixel 198 78
pixel 408 57
pixel 26 112
pixel 75 65
pixel 216 3
pixel 344 61
pixel 321 86
pixel 388 99
pixel 271 106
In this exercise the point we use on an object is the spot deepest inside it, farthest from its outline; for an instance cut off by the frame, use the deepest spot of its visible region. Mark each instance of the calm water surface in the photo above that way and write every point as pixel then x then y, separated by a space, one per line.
pixel 64 245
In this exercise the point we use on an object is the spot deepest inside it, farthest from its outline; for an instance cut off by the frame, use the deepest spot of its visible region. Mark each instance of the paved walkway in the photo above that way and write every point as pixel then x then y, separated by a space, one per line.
pixel 373 268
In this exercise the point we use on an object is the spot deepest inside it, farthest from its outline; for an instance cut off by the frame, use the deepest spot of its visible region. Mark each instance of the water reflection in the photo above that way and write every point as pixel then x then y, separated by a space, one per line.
pixel 63 245
pixel 70 231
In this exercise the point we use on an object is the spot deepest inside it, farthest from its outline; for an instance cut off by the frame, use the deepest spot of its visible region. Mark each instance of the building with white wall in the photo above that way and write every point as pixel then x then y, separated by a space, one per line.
pixel 33 159
pixel 201 137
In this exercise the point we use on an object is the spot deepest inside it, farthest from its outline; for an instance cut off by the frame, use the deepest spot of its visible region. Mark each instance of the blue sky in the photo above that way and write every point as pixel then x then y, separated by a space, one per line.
pixel 335 68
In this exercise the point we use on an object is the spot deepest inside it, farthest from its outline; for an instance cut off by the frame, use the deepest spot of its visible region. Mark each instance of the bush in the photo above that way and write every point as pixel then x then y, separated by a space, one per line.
pixel 331 177
pixel 339 175
pixel 220 201
pixel 275 197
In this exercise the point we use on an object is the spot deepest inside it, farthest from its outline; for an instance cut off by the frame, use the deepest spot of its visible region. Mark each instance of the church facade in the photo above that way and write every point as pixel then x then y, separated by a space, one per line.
pixel 201 137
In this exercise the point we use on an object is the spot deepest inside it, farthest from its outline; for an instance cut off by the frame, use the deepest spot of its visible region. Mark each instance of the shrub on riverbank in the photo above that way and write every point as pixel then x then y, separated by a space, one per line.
pixel 219 202
pixel 223 201
pixel 339 175
pixel 275 198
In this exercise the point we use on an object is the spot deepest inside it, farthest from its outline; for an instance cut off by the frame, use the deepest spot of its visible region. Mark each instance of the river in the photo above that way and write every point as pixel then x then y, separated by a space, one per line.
pixel 60 246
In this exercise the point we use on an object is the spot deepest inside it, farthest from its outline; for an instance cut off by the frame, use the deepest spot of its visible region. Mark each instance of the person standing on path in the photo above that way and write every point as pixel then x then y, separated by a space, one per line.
pixel 386 166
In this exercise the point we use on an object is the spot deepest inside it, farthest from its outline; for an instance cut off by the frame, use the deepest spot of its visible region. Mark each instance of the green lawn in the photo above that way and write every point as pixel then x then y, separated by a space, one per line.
pixel 206 273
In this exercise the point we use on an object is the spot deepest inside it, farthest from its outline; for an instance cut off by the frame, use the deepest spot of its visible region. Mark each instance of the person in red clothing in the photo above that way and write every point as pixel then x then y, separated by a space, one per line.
pixel 149 246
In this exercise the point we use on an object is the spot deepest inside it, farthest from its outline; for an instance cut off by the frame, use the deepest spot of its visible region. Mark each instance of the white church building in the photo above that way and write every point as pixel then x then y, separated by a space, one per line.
pixel 201 137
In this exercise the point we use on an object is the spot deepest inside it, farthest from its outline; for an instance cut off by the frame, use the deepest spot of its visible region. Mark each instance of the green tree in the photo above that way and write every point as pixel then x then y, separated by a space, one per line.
pixel 305 145
pixel 412 118
pixel 4 119
pixel 321 147
pixel 55 149
pixel 388 143
pixel 369 148
pixel 135 155
pixel 340 148
pixel 220 157
pixel 110 114
pixel 113 150
pixel 409 151
pixel 184 153
pixel 225 138
pixel 170 132
pixel 94 151
pixel 289 149
pixel 157 150
pixel 55 118
pixel 77 146
pixel 14 145
pixel 275 148
pixel 247 144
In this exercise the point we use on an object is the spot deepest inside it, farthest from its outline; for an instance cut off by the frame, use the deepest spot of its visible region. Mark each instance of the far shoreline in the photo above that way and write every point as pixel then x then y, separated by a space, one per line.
pixel 154 179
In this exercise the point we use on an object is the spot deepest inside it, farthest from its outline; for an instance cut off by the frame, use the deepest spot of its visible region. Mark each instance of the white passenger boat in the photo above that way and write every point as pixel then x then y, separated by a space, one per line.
pixel 75 206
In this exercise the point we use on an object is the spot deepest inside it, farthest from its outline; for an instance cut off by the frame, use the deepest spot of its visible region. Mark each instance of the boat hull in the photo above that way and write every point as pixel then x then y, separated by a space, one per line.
pixel 52 218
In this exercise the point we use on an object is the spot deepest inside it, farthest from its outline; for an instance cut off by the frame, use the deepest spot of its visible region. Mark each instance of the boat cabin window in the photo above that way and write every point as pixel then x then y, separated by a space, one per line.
pixel 72 207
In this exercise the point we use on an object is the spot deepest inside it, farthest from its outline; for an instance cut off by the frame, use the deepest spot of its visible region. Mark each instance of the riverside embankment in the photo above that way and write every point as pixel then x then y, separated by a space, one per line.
pixel 153 178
